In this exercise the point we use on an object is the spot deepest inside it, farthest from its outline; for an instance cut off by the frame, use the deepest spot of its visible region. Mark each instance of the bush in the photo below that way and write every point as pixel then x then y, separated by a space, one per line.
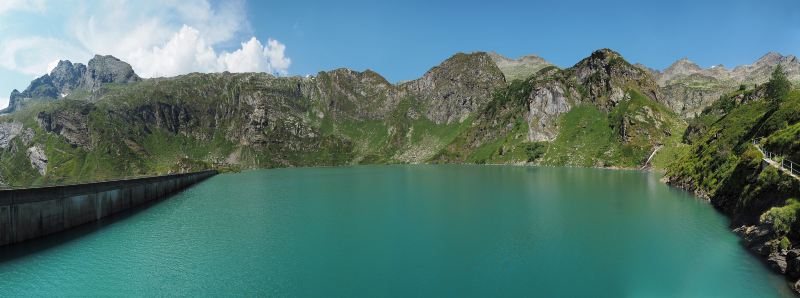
pixel 534 151
pixel 785 244
pixel 781 218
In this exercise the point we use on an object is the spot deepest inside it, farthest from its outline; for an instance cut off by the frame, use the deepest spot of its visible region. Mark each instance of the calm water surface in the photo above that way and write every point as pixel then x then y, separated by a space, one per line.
pixel 484 231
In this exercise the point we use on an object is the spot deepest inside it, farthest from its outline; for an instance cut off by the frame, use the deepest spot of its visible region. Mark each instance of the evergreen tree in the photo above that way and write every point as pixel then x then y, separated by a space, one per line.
pixel 778 86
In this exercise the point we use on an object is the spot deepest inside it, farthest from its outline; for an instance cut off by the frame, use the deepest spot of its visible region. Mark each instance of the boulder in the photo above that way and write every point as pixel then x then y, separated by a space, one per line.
pixel 793 263
pixel 777 262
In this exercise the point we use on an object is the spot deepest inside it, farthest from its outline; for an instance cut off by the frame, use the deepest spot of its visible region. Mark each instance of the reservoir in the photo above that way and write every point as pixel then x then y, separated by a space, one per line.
pixel 400 231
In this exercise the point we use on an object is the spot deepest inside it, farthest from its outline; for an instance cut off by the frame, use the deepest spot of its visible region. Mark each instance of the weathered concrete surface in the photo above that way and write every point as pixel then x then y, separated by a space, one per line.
pixel 35 212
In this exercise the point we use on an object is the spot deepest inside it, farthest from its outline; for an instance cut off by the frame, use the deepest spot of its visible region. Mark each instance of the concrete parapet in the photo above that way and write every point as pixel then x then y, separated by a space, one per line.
pixel 29 213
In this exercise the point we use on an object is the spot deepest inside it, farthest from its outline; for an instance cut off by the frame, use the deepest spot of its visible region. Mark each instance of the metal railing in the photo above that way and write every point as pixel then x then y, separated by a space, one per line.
pixel 784 163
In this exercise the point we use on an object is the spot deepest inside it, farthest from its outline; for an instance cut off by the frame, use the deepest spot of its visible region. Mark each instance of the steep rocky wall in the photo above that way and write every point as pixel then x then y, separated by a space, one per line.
pixel 35 212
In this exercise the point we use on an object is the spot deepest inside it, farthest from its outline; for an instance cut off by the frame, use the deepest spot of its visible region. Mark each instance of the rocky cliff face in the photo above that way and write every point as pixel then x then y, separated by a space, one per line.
pixel 546 102
pixel 72 124
pixel 67 77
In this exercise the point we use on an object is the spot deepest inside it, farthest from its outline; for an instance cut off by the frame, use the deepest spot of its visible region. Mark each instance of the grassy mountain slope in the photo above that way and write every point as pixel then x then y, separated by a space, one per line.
pixel 601 112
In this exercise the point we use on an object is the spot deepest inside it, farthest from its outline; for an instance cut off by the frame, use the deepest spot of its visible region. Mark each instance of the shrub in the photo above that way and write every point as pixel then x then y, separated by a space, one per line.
pixel 785 244
pixel 534 151
pixel 781 218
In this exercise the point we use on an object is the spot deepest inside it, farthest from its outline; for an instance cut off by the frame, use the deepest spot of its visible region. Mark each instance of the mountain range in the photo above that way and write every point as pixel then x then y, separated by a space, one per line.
pixel 699 87
pixel 476 107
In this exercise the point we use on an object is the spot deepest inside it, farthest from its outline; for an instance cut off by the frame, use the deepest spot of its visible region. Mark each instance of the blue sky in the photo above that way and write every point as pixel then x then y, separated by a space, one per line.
pixel 399 39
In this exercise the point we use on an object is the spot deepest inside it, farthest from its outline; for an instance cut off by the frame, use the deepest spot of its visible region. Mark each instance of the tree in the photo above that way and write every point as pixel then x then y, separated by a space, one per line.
pixel 778 85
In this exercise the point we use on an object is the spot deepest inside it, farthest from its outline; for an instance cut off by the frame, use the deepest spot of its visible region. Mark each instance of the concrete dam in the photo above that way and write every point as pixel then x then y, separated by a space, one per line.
pixel 29 213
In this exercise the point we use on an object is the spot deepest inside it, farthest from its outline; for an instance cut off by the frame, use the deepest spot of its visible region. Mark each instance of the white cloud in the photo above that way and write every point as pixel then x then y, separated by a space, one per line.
pixel 188 51
pixel 32 55
pixel 21 5
pixel 157 37
pixel 253 56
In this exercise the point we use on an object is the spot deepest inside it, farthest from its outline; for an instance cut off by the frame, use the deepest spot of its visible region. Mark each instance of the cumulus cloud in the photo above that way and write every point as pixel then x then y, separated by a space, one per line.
pixel 189 51
pixel 253 56
pixel 157 37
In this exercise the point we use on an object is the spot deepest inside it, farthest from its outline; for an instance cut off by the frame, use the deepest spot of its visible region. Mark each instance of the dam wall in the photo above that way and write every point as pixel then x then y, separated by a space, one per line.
pixel 29 213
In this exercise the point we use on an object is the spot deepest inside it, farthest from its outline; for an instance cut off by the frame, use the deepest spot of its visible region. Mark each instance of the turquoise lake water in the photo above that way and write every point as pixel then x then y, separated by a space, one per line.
pixel 403 231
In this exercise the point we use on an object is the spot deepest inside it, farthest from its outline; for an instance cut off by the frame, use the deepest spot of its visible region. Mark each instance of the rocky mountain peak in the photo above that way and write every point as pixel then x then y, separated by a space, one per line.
pixel 680 68
pixel 761 69
pixel 68 76
pixel 719 67
pixel 458 86
pixel 605 74
pixel 597 60
pixel 685 63
pixel 606 53
pixel 604 63
pixel 770 58
pixel 521 68
pixel 108 69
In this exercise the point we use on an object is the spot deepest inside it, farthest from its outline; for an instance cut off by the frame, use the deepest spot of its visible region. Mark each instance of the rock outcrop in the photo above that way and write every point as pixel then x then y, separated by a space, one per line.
pixel 38 159
pixel 9 131
pixel 71 124
pixel 546 103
